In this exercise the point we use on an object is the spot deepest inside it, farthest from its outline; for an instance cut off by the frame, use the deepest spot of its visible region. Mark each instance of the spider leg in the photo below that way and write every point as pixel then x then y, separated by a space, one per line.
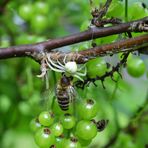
pixel 82 74
pixel 52 68
pixel 55 65
pixel 80 68
pixel 65 59
pixel 43 70
pixel 43 73
pixel 78 77
pixel 60 64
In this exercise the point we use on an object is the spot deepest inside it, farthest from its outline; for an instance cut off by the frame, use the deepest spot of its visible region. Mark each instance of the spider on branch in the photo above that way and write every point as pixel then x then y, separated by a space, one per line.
pixel 68 67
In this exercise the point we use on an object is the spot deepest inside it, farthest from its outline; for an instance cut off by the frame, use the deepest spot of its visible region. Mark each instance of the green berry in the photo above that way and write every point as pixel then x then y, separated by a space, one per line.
pixel 41 7
pixel 57 129
pixel 84 142
pixel 26 11
pixel 96 67
pixel 87 109
pixel 35 125
pixel 72 143
pixel 86 130
pixel 39 23
pixel 44 138
pixel 60 142
pixel 136 67
pixel 46 118
pixel 68 121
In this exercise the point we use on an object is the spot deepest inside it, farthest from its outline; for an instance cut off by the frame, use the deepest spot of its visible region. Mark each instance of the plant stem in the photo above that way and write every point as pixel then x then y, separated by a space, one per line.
pixel 126 10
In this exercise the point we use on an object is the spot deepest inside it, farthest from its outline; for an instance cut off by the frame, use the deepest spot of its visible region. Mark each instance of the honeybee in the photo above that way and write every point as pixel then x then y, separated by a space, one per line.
pixel 101 124
pixel 65 92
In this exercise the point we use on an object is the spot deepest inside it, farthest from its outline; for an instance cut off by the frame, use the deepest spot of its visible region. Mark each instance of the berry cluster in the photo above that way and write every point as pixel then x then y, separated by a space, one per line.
pixel 35 14
pixel 67 130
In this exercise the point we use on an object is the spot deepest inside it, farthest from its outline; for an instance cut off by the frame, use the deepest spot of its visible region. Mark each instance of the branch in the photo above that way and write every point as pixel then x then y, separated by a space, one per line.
pixel 49 45
pixel 81 57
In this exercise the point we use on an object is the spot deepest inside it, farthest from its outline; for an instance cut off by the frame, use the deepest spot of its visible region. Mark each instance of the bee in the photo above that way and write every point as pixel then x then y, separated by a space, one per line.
pixel 101 124
pixel 65 92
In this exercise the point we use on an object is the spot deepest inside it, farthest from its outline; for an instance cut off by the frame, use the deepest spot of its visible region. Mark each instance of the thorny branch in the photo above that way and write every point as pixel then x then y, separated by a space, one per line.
pixel 110 73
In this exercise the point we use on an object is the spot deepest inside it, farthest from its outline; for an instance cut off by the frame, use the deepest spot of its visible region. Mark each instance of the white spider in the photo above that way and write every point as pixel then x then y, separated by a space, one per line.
pixel 70 68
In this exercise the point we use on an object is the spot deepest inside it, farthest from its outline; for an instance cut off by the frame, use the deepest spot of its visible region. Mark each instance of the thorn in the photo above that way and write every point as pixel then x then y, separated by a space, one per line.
pixel 102 81
pixel 94 84
pixel 119 74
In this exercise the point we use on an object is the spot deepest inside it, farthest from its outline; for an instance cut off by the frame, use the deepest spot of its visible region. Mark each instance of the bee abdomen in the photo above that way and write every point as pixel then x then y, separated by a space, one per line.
pixel 101 125
pixel 63 103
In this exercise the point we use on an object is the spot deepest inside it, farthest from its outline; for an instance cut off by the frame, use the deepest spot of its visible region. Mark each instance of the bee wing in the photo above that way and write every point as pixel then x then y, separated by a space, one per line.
pixel 71 93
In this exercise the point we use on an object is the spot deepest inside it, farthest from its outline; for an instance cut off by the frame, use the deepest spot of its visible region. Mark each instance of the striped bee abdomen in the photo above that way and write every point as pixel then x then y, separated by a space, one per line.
pixel 101 125
pixel 63 101
pixel 65 92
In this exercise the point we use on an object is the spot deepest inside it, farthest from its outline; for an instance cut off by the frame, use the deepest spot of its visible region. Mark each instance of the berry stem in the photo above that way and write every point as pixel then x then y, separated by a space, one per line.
pixel 126 10
pixel 55 82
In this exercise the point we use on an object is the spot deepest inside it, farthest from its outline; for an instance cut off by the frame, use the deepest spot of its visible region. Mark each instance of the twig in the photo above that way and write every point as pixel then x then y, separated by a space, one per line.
pixel 103 10
pixel 98 14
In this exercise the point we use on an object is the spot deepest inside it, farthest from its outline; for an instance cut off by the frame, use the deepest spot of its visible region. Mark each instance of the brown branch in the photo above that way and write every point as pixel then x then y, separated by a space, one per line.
pixel 28 50
pixel 122 45
pixel 81 57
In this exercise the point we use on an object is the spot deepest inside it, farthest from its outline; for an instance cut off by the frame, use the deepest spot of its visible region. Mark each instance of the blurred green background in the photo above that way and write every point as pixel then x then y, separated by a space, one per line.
pixel 23 95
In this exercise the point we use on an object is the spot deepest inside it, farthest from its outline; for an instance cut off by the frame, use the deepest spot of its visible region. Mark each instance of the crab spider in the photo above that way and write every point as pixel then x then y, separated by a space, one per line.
pixel 70 68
